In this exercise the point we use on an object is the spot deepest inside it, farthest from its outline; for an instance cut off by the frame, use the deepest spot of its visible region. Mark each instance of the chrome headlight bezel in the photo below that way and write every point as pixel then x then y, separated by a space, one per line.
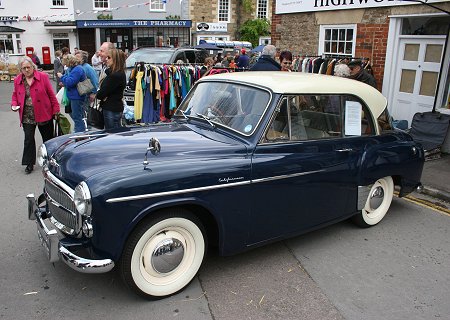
pixel 42 156
pixel 82 199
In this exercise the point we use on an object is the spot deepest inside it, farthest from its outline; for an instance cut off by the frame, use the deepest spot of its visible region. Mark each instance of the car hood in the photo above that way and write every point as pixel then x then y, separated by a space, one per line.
pixel 75 160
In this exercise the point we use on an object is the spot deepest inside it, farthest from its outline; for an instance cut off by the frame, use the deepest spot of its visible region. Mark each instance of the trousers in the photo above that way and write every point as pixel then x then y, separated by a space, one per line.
pixel 29 144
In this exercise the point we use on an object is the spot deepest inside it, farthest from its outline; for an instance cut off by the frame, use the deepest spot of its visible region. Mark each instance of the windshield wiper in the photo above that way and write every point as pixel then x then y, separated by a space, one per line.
pixel 206 118
pixel 184 115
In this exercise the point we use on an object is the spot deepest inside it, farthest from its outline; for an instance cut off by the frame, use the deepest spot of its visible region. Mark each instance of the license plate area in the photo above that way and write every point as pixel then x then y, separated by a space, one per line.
pixel 49 240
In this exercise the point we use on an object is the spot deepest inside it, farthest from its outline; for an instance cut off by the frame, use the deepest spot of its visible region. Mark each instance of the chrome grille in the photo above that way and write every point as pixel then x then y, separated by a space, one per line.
pixel 61 206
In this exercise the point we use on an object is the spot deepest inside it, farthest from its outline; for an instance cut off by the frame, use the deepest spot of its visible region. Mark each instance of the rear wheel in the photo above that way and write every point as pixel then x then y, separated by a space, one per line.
pixel 163 254
pixel 377 204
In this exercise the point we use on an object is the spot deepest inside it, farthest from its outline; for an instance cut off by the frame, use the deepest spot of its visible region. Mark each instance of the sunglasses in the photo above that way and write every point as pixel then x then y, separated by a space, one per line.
pixel 107 58
pixel 287 62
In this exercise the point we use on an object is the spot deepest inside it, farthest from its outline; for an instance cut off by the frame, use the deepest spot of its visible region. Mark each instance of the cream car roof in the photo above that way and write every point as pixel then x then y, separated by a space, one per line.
pixel 304 83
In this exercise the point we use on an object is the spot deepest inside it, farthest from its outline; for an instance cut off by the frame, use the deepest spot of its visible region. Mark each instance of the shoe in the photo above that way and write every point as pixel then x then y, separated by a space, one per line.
pixel 29 169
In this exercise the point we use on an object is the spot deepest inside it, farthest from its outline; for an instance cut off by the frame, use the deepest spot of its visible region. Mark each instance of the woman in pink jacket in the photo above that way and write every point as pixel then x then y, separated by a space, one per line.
pixel 34 98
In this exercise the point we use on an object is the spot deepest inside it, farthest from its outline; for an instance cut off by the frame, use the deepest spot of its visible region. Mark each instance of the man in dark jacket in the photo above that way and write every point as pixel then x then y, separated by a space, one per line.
pixel 242 61
pixel 267 62
pixel 358 73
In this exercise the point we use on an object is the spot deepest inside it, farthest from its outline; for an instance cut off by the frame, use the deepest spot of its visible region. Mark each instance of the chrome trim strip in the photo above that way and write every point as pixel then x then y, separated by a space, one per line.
pixel 286 176
pixel 219 186
pixel 84 136
pixel 175 192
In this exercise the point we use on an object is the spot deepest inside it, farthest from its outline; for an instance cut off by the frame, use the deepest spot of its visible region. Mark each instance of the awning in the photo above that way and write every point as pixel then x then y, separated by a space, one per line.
pixel 7 29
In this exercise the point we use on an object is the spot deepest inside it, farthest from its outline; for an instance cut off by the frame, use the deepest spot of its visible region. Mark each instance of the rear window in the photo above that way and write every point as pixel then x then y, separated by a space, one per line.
pixel 148 56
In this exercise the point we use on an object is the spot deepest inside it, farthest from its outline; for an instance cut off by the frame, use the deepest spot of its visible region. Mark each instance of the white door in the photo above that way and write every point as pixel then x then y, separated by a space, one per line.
pixel 416 77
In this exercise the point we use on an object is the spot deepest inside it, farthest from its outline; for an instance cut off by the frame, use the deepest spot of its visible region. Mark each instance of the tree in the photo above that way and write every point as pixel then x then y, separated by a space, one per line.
pixel 251 30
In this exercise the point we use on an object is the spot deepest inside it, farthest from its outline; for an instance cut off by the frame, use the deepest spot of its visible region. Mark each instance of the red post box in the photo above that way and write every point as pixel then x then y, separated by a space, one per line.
pixel 46 55
pixel 29 51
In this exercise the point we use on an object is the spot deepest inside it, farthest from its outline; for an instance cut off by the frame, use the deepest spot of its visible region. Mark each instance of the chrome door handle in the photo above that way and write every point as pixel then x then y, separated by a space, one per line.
pixel 344 150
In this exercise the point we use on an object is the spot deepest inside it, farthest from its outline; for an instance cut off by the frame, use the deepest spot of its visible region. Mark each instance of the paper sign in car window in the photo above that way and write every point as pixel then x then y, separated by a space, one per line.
pixel 352 118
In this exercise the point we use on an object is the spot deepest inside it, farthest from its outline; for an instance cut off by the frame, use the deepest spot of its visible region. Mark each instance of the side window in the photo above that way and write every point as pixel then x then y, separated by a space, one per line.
pixel 306 117
pixel 180 56
pixel 357 118
pixel 190 55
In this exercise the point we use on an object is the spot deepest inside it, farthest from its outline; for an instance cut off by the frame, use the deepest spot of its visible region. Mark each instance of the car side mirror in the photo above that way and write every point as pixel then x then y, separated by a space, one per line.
pixel 154 147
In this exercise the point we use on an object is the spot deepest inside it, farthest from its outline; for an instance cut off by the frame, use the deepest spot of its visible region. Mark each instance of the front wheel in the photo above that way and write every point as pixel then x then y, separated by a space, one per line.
pixel 163 254
pixel 377 204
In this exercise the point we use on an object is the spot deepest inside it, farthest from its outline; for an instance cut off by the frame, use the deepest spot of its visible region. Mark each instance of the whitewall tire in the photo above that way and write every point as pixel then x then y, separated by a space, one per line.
pixel 377 203
pixel 163 255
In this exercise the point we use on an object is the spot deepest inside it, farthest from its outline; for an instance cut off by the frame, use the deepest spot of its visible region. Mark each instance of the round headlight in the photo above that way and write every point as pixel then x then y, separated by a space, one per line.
pixel 82 199
pixel 42 156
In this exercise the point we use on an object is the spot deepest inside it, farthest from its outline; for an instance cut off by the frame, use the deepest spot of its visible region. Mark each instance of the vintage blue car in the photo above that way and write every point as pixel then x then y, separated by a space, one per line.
pixel 249 158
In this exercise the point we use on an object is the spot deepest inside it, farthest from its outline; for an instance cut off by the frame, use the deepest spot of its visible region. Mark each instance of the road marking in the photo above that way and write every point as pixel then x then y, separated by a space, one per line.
pixel 425 203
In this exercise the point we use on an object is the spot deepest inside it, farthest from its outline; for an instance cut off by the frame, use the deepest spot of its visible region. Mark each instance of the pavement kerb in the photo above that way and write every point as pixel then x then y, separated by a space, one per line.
pixel 442 195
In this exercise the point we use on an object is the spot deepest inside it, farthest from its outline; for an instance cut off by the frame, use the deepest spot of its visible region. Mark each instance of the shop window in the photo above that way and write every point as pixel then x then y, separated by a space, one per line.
pixel 224 10
pixel 157 5
pixel 261 11
pixel 101 4
pixel 6 43
pixel 425 25
pixel 337 40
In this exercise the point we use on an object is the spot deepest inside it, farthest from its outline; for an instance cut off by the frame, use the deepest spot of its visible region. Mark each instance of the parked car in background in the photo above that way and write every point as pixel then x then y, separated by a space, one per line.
pixel 160 56
pixel 250 158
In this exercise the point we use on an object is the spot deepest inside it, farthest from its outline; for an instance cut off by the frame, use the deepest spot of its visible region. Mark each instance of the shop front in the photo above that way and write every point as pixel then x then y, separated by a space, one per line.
pixel 131 34
pixel 407 45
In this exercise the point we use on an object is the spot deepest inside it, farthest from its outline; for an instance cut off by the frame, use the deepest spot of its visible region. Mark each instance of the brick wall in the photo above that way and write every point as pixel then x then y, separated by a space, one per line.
pixel 371 42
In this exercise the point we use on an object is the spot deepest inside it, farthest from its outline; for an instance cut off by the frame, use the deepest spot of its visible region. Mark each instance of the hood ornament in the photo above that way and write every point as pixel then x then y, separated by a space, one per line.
pixel 154 147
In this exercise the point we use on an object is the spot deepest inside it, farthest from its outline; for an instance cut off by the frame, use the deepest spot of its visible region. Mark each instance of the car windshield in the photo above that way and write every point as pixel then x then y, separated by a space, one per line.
pixel 238 107
pixel 148 56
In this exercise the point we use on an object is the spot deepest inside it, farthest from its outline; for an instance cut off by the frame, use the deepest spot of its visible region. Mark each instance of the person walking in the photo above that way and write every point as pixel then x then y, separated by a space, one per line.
pixel 267 60
pixel 111 89
pixel 70 79
pixel 58 67
pixel 36 60
pixel 33 97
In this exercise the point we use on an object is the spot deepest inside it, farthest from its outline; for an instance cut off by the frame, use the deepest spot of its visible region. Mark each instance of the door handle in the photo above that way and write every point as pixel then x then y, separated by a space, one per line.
pixel 344 150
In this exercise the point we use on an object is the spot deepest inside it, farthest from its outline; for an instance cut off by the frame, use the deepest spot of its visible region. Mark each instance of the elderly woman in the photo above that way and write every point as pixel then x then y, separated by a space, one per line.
pixel 70 79
pixel 33 97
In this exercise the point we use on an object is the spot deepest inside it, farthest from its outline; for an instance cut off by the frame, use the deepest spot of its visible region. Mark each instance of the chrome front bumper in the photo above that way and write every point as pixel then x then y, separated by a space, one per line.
pixel 54 249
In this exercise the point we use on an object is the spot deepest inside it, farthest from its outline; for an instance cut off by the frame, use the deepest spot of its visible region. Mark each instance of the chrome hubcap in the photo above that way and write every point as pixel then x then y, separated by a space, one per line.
pixel 376 198
pixel 167 255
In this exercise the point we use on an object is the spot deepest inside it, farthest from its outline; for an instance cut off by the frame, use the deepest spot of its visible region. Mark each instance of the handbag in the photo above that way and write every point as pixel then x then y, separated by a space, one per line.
pixel 95 115
pixel 85 86
pixel 62 125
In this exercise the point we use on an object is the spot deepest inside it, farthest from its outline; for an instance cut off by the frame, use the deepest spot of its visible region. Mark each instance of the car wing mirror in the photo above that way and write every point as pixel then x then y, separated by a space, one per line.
pixel 154 147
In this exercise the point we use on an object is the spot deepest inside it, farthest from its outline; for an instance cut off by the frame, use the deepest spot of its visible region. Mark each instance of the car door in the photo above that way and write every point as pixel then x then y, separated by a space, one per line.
pixel 305 168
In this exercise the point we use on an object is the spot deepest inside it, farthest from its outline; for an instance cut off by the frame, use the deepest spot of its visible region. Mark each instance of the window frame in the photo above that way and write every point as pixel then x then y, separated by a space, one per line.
pixel 56 5
pixel 161 6
pixel 259 9
pixel 101 8
pixel 332 27
pixel 228 13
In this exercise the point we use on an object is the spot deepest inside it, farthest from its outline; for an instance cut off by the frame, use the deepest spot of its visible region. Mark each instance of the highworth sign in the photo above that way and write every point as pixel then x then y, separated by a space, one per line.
pixel 293 6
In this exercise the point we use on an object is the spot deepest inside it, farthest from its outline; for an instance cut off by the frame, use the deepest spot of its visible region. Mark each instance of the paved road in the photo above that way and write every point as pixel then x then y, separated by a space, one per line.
pixel 397 270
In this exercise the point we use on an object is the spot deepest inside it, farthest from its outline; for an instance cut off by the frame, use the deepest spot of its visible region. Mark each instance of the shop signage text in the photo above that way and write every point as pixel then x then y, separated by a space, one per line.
pixel 211 27
pixel 9 18
pixel 133 23
pixel 292 6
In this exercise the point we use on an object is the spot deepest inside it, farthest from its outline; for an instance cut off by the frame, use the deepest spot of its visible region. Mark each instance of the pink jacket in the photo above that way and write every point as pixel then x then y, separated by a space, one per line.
pixel 42 94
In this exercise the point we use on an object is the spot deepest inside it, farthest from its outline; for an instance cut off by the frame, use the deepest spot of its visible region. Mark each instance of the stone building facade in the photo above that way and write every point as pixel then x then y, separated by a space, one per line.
pixel 222 28
pixel 407 44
